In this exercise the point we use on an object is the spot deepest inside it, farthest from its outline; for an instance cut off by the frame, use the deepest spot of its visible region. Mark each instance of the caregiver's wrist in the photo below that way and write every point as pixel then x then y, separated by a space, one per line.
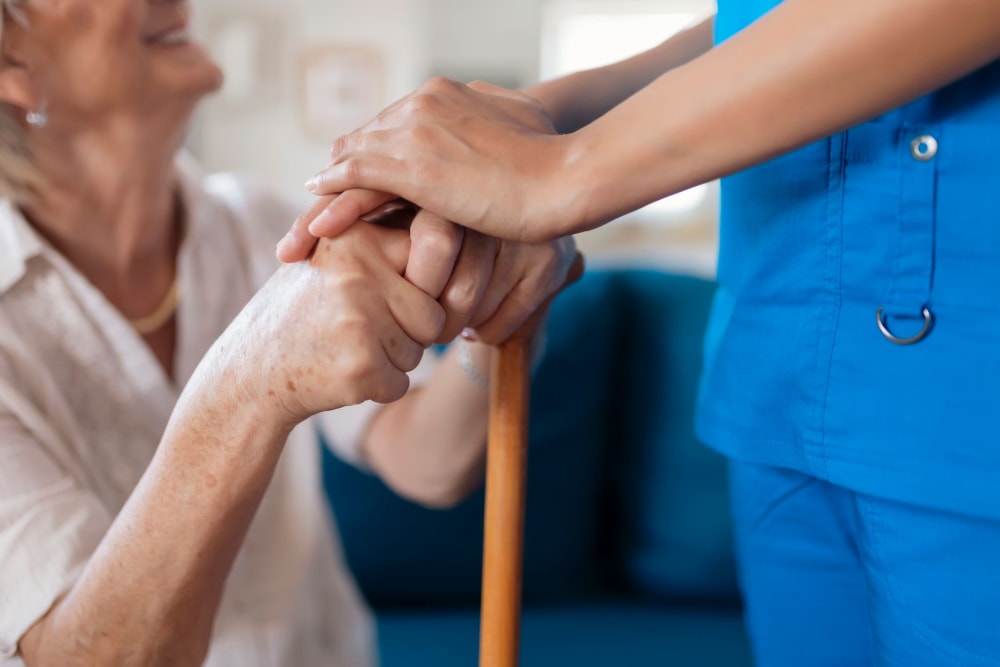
pixel 564 100
pixel 549 97
pixel 571 201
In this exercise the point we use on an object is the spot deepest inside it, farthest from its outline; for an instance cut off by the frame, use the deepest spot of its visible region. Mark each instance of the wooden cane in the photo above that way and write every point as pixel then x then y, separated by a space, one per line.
pixel 503 535
pixel 506 471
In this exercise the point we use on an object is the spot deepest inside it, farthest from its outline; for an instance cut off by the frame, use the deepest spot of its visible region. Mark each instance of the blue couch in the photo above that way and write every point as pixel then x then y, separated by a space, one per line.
pixel 628 552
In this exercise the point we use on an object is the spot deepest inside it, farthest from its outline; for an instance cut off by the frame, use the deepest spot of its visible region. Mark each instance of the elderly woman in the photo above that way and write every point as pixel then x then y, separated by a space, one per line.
pixel 159 502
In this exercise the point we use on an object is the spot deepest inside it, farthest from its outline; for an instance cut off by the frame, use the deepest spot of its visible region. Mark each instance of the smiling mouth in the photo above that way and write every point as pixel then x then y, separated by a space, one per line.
pixel 171 38
pixel 176 37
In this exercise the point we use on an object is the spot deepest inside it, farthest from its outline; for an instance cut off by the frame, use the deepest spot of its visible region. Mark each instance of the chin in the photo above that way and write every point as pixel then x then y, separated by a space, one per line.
pixel 212 79
pixel 184 99
pixel 188 69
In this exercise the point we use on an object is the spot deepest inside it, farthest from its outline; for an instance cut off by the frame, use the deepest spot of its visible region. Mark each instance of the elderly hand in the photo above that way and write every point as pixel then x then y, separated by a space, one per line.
pixel 486 284
pixel 337 330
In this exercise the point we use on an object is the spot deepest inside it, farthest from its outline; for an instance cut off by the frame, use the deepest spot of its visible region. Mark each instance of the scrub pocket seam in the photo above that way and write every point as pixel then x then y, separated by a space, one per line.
pixel 931 637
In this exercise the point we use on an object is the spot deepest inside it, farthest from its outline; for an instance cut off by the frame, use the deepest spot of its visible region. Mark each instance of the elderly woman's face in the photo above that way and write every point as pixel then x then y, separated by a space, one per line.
pixel 90 57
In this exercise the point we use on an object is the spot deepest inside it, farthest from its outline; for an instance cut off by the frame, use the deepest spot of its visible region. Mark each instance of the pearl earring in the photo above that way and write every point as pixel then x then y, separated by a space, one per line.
pixel 39 118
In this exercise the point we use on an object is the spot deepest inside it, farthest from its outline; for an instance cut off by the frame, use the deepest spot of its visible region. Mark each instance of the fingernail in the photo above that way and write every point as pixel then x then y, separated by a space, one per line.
pixel 469 335
pixel 312 185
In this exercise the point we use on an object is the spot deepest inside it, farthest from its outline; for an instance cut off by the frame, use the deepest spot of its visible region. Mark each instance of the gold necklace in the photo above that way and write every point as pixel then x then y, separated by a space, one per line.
pixel 155 320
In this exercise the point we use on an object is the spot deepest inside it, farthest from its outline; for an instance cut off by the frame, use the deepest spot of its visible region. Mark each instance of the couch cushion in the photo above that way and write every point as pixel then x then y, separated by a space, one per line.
pixel 403 554
pixel 600 634
pixel 674 531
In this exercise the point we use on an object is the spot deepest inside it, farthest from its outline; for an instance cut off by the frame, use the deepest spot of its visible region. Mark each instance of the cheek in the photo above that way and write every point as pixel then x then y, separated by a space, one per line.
pixel 97 49
pixel 80 17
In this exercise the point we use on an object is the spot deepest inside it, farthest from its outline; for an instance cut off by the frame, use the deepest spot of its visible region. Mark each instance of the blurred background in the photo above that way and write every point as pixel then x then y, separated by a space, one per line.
pixel 301 72
pixel 628 542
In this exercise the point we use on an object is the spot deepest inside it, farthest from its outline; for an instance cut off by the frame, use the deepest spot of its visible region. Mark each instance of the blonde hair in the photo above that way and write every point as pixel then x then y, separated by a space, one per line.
pixel 18 173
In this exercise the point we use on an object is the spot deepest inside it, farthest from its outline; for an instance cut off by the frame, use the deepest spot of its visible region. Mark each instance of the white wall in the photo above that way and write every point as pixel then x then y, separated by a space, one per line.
pixel 489 39
pixel 460 38
pixel 496 40
pixel 266 136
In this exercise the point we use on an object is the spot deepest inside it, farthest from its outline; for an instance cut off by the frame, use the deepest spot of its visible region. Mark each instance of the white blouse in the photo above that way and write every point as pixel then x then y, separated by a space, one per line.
pixel 83 404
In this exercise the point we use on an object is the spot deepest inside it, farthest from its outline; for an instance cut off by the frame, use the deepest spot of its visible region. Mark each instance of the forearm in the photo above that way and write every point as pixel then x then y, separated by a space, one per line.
pixel 150 592
pixel 578 99
pixel 430 445
pixel 808 69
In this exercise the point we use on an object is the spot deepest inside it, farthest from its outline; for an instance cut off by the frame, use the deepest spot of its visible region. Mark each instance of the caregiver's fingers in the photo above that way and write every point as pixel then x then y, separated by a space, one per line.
pixel 369 159
pixel 352 205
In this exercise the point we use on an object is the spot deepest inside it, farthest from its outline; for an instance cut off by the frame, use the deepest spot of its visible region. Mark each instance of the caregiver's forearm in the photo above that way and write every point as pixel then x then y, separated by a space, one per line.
pixel 577 99
pixel 806 70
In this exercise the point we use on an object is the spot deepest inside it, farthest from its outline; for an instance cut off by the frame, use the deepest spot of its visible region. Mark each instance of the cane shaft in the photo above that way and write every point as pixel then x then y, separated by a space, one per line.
pixel 503 544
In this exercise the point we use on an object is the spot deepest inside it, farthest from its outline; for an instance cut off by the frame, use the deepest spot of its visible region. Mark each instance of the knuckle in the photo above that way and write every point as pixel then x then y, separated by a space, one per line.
pixel 359 374
pixel 460 298
pixel 423 135
pixel 423 329
pixel 338 146
pixel 420 103
pixel 440 84
pixel 430 329
pixel 353 168
pixel 436 239
pixel 392 387
pixel 410 356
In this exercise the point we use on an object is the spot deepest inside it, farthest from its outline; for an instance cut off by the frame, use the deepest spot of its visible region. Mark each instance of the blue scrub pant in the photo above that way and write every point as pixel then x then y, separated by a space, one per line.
pixel 835 578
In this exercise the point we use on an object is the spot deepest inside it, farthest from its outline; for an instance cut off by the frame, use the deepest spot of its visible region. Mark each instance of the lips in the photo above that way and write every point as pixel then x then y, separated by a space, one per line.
pixel 168 24
pixel 170 37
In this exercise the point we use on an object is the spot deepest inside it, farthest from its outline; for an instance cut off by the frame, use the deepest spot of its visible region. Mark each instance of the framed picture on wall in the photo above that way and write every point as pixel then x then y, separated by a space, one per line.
pixel 249 47
pixel 341 88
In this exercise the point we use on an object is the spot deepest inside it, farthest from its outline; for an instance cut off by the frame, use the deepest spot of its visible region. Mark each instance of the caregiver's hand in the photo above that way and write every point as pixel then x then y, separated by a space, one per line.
pixel 481 156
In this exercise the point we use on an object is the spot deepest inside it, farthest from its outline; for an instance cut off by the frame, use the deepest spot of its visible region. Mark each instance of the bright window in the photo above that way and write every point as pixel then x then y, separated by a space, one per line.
pixel 581 34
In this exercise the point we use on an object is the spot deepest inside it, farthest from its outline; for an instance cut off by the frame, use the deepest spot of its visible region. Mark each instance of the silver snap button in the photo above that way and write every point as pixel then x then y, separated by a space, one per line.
pixel 924 148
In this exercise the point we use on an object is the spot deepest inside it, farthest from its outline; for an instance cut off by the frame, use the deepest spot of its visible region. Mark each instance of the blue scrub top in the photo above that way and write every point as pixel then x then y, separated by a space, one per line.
pixel 901 213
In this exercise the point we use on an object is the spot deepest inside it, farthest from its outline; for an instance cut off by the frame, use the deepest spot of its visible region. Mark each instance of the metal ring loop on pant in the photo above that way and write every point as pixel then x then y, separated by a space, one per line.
pixel 883 326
